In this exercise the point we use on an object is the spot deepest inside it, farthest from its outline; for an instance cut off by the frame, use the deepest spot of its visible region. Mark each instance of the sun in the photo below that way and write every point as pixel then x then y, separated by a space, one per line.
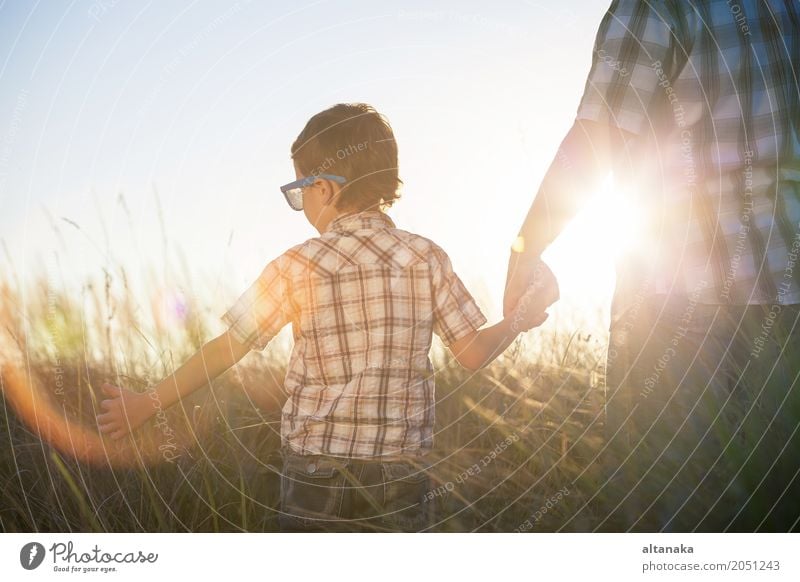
pixel 584 256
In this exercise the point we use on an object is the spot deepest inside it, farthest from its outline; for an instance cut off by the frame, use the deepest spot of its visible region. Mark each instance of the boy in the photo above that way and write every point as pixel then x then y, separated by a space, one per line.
pixel 364 299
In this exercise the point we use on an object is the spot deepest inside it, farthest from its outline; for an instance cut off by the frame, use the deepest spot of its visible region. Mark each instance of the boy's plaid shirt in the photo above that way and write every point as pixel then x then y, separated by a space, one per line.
pixel 710 90
pixel 363 300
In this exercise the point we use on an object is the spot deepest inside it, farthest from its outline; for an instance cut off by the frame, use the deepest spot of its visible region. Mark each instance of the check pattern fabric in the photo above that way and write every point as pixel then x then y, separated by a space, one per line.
pixel 363 299
pixel 708 91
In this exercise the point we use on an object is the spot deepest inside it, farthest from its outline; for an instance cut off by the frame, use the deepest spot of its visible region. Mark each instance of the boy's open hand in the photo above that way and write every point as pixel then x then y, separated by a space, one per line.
pixel 123 411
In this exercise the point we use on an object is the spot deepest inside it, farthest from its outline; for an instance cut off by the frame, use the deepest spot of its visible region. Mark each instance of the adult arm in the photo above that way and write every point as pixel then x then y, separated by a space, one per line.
pixel 579 167
pixel 637 54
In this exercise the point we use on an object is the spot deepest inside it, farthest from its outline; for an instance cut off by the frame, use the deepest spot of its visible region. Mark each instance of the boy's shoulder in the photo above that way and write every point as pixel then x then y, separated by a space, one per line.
pixel 429 249
pixel 333 250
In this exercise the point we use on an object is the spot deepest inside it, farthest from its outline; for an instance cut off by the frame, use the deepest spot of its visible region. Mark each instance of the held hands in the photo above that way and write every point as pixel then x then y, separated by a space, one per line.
pixel 526 321
pixel 124 411
pixel 531 288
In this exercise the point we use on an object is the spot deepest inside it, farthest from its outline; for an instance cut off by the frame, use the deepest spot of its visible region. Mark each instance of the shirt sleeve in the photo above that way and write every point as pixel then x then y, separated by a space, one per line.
pixel 455 312
pixel 631 64
pixel 263 309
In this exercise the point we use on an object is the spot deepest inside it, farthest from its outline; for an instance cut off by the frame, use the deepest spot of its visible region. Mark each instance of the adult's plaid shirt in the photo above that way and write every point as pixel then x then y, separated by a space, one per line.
pixel 363 300
pixel 709 90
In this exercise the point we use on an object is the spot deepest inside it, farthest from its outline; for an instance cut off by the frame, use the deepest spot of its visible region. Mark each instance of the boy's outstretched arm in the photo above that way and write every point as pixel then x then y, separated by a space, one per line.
pixel 482 346
pixel 124 410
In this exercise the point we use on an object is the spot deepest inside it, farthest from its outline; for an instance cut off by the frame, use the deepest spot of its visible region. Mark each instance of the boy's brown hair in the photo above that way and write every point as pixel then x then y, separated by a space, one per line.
pixel 354 141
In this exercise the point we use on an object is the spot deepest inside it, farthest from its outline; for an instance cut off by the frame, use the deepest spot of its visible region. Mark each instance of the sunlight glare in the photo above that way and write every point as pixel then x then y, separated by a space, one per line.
pixel 583 257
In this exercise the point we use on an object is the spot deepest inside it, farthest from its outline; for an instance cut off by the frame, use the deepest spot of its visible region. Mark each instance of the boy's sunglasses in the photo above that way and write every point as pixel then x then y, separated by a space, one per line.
pixel 293 191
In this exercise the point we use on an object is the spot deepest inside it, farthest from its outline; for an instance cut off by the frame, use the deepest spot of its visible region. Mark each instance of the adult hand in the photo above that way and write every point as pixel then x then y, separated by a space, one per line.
pixel 123 411
pixel 529 278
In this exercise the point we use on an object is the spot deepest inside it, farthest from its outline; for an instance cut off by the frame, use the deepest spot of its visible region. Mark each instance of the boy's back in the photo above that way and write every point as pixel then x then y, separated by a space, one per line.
pixel 364 299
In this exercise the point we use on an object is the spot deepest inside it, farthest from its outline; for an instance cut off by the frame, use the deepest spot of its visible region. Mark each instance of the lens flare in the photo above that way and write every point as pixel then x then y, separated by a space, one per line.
pixel 52 423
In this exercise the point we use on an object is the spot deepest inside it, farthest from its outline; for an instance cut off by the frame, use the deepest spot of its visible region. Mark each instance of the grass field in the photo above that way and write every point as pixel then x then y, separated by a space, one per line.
pixel 208 466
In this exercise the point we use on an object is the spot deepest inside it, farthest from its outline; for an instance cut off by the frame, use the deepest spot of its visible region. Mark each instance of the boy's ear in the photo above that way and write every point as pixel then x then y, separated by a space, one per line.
pixel 328 192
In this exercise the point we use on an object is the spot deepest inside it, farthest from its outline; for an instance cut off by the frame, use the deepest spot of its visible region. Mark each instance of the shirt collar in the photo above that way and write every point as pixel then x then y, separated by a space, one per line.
pixel 365 220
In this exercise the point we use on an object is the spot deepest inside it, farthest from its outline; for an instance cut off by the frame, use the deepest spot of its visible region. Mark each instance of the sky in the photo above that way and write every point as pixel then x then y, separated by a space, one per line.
pixel 155 135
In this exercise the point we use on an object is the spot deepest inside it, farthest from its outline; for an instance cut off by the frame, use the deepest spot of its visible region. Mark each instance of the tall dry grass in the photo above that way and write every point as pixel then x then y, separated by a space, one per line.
pixel 544 395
